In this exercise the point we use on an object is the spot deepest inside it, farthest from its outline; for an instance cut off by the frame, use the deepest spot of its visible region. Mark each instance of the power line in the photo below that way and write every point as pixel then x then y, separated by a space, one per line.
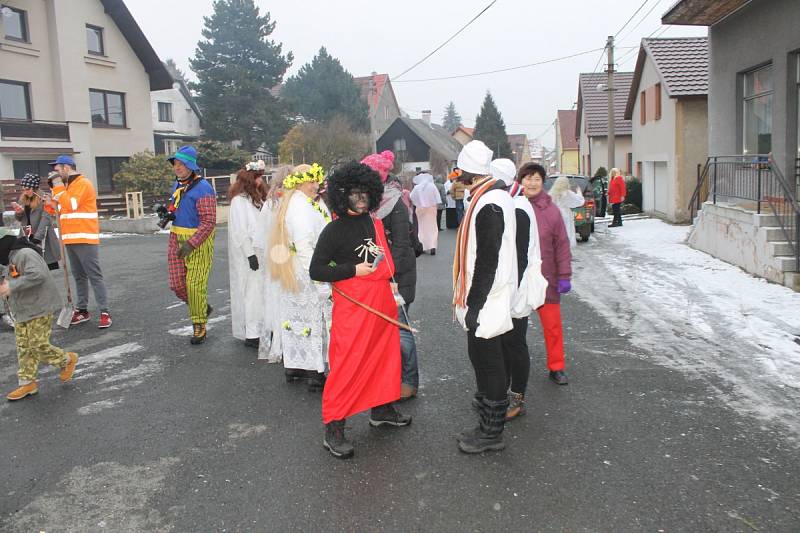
pixel 415 65
pixel 627 55
pixel 502 69
pixel 642 19
pixel 630 19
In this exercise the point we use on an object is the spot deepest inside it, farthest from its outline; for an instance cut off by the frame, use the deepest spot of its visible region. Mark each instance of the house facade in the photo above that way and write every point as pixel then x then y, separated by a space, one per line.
pixel 464 134
pixel 176 118
pixel 377 91
pixel 520 148
pixel 76 78
pixel 419 145
pixel 752 215
pixel 567 149
pixel 591 124
pixel 668 109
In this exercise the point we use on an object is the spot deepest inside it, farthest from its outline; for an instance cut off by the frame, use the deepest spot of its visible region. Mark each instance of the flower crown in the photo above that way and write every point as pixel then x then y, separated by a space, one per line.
pixel 315 173
pixel 255 166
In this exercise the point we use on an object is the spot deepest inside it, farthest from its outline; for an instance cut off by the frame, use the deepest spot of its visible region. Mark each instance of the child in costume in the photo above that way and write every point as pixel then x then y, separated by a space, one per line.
pixel 33 298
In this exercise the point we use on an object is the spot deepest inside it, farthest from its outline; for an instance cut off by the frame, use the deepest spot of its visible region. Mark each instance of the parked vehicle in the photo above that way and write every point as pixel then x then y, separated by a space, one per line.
pixel 583 215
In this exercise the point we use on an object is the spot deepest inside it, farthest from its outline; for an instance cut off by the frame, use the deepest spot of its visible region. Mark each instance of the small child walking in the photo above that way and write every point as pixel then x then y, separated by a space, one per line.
pixel 32 298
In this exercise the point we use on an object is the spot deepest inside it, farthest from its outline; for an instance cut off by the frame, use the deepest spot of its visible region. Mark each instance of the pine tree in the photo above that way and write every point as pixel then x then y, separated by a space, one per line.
pixel 490 128
pixel 452 120
pixel 236 66
pixel 177 73
pixel 323 89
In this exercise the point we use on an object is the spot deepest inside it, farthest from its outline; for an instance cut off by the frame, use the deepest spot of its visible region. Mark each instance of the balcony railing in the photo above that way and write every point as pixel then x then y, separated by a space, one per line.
pixel 38 130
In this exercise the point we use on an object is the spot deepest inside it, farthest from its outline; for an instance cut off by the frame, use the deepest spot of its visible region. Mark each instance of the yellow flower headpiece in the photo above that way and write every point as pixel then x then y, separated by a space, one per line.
pixel 314 174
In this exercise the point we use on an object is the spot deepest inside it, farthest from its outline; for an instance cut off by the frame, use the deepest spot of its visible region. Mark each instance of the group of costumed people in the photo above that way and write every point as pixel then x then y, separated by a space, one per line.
pixel 317 290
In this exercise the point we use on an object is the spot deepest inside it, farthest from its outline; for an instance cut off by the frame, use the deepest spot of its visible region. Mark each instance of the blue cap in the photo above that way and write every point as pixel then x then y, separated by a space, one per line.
pixel 188 156
pixel 63 160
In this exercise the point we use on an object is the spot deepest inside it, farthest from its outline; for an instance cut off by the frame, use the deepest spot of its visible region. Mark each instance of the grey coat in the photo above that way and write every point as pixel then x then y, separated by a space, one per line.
pixel 42 232
pixel 33 292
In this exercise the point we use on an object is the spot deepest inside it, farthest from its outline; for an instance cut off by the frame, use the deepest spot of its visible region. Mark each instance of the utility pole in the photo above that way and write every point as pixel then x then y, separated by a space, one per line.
pixel 610 89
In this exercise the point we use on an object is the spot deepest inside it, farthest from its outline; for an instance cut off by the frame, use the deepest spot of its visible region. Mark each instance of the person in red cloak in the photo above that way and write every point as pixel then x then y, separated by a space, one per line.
pixel 364 349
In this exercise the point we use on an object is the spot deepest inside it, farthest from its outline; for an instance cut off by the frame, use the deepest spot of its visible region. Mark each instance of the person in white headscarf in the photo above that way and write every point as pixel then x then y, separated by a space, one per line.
pixel 425 197
pixel 566 199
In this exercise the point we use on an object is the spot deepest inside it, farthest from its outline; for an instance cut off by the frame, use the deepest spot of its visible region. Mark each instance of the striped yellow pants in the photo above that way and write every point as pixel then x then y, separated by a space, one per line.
pixel 188 278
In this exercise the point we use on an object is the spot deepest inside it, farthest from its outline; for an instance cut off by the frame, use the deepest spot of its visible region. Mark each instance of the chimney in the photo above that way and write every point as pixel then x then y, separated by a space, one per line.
pixel 426 117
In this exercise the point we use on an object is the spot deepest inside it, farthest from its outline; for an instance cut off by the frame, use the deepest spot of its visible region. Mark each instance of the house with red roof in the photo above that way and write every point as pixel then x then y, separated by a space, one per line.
pixel 567 149
pixel 668 109
pixel 377 91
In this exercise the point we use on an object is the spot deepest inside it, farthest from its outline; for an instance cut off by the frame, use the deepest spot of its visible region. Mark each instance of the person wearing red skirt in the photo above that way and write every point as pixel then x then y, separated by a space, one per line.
pixel 364 351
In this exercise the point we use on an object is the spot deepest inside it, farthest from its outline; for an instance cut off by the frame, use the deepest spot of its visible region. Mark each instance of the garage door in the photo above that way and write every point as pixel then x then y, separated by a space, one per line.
pixel 661 186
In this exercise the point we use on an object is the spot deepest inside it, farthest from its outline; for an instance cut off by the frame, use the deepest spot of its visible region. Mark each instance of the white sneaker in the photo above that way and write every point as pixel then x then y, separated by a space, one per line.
pixel 8 321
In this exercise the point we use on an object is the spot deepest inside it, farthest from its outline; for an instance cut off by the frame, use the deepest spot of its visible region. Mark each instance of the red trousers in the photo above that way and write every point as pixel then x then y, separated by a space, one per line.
pixel 550 318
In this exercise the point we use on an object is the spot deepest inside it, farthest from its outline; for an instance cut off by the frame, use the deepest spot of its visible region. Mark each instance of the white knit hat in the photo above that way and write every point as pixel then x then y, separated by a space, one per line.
pixel 503 169
pixel 475 157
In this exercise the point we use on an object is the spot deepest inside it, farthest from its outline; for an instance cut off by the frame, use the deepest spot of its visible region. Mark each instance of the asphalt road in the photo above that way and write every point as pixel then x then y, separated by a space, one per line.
pixel 156 435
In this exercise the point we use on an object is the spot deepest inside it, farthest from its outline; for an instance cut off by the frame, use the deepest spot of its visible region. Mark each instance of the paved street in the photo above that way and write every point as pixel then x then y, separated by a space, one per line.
pixel 156 435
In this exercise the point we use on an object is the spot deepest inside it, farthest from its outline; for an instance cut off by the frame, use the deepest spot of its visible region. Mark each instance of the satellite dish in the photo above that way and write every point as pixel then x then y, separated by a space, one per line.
pixel 601 87
pixel 176 86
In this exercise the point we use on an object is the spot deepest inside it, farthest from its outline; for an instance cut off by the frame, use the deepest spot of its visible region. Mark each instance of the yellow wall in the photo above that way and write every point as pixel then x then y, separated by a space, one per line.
pixel 569 161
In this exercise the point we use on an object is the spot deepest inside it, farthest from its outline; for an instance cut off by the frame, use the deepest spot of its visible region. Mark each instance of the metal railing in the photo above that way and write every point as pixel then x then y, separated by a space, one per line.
pixel 34 130
pixel 752 179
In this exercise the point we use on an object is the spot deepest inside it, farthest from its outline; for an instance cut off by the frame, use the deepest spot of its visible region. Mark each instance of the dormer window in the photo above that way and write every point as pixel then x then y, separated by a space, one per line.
pixel 94 40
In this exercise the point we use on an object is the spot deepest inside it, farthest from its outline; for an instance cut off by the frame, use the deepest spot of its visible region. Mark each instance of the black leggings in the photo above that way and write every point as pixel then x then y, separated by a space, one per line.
pixel 616 210
pixel 515 352
pixel 489 360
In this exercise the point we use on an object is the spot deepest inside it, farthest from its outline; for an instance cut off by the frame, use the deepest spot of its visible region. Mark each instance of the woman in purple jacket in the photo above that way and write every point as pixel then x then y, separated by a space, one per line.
pixel 556 267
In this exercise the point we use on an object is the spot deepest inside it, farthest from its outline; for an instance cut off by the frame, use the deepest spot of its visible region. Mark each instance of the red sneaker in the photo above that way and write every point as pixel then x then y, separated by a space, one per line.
pixel 105 321
pixel 79 317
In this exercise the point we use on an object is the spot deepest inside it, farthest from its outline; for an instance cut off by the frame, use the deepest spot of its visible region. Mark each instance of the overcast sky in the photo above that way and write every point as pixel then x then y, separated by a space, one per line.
pixel 389 37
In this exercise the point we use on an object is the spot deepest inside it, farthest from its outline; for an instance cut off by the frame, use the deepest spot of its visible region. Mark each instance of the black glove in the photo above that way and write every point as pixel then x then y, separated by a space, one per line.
pixel 253 260
pixel 185 250
pixel 471 319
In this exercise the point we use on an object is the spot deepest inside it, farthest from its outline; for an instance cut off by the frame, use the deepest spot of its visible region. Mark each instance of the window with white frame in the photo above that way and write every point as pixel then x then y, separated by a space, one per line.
pixel 172 145
pixel 94 40
pixel 400 145
pixel 15 24
pixel 757 111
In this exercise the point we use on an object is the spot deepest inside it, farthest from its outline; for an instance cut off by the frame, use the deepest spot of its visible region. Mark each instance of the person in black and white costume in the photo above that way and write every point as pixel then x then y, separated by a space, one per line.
pixel 531 288
pixel 484 286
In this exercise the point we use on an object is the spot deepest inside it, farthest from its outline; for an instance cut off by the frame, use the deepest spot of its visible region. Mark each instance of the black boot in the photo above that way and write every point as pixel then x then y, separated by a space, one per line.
pixel 294 374
pixel 489 433
pixel 335 441
pixel 316 381
pixel 388 414
pixel 477 401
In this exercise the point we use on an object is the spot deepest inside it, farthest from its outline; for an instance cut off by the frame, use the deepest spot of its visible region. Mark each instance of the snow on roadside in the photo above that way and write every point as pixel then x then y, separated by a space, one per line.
pixel 698 314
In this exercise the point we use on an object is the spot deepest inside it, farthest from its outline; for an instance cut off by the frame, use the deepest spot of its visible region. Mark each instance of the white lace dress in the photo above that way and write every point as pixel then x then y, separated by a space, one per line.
pixel 305 315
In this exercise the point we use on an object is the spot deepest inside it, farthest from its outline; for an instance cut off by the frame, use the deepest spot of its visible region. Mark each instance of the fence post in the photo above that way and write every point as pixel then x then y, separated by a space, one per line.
pixel 699 192
pixel 715 180
pixel 758 190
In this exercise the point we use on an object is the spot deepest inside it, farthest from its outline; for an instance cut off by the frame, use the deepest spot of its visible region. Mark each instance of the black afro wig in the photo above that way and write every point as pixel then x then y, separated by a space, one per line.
pixel 353 175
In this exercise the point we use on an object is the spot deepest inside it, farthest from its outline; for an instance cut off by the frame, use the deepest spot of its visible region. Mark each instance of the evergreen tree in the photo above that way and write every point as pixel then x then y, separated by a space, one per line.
pixel 177 73
pixel 323 89
pixel 452 120
pixel 236 66
pixel 490 128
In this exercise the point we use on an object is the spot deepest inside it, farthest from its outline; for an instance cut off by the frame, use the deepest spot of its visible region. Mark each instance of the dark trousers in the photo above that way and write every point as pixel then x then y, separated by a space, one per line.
pixel 515 352
pixel 488 361
pixel 459 210
pixel 616 209
pixel 439 219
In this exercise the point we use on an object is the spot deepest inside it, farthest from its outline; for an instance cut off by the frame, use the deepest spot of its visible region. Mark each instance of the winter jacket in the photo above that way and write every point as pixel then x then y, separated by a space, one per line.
pixel 457 190
pixel 553 243
pixel 33 290
pixel 616 190
pixel 42 231
pixel 396 226
pixel 77 211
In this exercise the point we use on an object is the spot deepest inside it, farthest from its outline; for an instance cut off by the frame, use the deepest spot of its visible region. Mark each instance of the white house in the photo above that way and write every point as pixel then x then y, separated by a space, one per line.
pixel 176 118
pixel 75 78
pixel 668 108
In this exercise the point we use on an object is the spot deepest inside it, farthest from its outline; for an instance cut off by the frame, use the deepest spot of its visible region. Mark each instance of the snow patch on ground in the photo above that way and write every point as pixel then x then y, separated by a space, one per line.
pixel 698 314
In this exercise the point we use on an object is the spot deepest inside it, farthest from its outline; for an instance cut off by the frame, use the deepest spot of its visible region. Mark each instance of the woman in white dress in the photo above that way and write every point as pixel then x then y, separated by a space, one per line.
pixel 566 199
pixel 425 197
pixel 305 310
pixel 269 348
pixel 246 256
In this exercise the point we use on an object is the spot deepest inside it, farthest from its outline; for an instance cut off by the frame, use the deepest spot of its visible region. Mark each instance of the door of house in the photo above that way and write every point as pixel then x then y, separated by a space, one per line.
pixel 661 186
pixel 648 186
